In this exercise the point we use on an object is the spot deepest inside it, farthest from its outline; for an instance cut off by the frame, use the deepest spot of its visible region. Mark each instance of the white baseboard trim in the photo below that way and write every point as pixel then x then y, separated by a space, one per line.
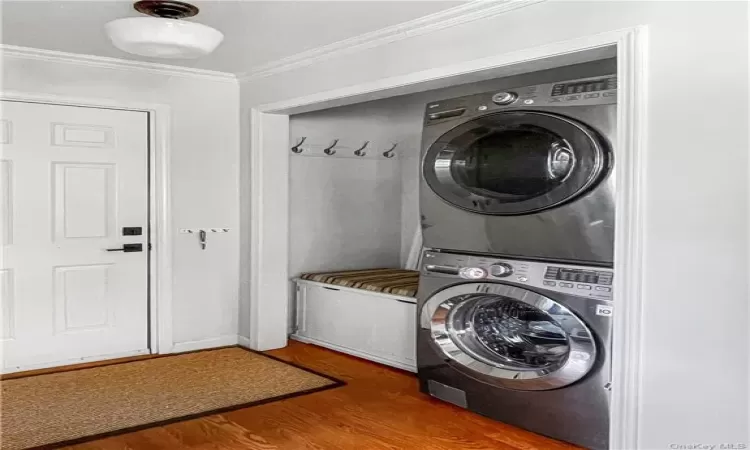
pixel 244 342
pixel 357 353
pixel 189 346
pixel 73 361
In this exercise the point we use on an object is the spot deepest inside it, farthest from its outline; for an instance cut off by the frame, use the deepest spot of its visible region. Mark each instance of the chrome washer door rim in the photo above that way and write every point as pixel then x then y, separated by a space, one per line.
pixel 435 316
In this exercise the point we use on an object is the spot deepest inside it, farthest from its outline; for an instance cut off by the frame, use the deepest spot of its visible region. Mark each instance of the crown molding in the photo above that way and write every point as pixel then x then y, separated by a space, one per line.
pixel 469 12
pixel 15 51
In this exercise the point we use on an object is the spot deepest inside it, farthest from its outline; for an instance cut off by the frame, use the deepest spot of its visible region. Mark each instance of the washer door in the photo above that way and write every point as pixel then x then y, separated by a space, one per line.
pixel 509 336
pixel 515 162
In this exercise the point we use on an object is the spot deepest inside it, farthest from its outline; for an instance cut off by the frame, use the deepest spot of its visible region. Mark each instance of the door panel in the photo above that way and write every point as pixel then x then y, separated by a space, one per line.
pixel 79 135
pixel 72 178
pixel 6 199
pixel 7 300
pixel 82 298
pixel 84 200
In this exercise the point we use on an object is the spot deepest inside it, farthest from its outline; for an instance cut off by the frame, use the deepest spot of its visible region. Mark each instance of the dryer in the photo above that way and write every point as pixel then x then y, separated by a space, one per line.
pixel 523 342
pixel 523 173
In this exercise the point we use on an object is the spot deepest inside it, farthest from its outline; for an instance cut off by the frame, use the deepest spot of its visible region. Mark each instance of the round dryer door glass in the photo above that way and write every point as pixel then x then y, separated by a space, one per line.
pixel 508 333
pixel 509 336
pixel 515 162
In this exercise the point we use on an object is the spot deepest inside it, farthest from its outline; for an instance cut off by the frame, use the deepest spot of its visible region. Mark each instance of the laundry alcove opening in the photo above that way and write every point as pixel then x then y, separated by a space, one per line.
pixel 351 211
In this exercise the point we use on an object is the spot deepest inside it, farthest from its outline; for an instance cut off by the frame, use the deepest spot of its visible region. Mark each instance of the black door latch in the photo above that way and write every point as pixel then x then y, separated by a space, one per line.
pixel 127 248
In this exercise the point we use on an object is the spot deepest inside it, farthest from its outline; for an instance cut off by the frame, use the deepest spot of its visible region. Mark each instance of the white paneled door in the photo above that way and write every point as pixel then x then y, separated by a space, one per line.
pixel 72 178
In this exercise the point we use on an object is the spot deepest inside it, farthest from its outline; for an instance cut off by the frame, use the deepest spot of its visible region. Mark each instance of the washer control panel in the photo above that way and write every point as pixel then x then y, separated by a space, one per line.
pixel 582 281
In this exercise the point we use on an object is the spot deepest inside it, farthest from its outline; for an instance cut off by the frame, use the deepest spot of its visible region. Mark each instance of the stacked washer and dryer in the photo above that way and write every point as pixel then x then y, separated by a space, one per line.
pixel 515 294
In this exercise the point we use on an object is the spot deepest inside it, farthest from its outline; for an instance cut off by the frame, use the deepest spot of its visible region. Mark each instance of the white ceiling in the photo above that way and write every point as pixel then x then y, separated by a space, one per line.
pixel 256 32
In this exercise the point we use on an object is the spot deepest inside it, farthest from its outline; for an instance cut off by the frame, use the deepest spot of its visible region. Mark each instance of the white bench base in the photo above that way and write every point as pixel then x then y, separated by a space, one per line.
pixel 371 325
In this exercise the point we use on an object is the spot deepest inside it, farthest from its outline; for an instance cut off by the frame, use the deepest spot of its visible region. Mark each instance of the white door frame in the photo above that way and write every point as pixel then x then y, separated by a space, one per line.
pixel 160 215
pixel 269 201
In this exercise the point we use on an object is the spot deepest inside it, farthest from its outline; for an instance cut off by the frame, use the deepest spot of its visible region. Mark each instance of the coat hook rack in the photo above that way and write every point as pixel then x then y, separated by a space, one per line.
pixel 296 148
pixel 329 151
pixel 360 151
pixel 389 153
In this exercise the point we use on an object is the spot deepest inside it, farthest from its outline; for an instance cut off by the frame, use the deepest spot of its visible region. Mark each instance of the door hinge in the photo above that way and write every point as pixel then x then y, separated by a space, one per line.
pixel 149 246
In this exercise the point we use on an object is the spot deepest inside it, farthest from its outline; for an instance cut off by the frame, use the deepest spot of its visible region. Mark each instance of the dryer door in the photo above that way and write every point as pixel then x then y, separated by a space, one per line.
pixel 515 162
pixel 509 336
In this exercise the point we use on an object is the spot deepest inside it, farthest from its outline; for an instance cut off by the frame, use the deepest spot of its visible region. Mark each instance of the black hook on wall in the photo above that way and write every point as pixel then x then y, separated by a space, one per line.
pixel 296 148
pixel 360 151
pixel 389 153
pixel 329 151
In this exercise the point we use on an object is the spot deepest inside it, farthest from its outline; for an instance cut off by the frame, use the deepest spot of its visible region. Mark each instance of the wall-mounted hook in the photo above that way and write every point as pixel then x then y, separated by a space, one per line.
pixel 329 151
pixel 389 153
pixel 360 151
pixel 296 148
pixel 202 239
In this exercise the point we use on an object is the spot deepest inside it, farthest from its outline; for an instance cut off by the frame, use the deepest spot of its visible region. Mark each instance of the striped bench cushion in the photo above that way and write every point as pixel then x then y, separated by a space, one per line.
pixel 389 281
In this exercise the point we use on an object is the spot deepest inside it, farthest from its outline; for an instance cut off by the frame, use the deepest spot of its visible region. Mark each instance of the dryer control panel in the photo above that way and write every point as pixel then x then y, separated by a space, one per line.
pixel 601 90
pixel 582 281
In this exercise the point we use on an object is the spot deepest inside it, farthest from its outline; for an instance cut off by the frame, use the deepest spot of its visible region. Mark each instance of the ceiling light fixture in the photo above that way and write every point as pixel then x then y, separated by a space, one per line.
pixel 164 35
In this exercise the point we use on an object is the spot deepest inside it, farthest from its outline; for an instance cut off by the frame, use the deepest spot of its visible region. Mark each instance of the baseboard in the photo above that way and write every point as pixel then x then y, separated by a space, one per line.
pixel 243 341
pixel 73 361
pixel 220 341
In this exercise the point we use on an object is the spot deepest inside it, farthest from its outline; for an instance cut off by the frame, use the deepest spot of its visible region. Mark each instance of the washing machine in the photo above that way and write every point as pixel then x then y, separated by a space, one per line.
pixel 527 172
pixel 523 342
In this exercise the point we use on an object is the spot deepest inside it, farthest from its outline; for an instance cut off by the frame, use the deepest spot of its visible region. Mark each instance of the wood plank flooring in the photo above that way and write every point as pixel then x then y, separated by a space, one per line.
pixel 379 408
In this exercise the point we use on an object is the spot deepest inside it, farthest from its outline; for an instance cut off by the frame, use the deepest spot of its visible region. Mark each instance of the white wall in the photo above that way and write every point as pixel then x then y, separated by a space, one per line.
pixel 205 176
pixel 345 213
pixel 694 384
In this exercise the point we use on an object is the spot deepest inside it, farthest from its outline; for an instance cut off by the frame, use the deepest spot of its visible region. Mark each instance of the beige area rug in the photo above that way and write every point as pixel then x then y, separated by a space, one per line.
pixel 83 404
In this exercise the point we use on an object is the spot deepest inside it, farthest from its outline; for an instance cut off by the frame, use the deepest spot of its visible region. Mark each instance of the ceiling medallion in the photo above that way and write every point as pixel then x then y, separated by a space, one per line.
pixel 163 34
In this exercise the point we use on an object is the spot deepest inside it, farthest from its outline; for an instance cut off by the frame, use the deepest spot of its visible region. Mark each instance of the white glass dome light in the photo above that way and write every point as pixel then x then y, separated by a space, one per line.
pixel 164 35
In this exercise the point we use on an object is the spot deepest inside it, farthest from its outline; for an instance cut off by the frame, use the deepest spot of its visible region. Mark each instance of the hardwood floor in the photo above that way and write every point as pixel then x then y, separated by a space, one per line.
pixel 379 408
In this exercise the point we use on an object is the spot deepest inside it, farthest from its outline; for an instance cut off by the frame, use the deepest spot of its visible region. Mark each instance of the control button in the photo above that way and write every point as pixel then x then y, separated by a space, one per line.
pixel 528 101
pixel 583 286
pixel 568 285
pixel 555 100
pixel 523 279
pixel 573 97
pixel 501 270
pixel 609 94
pixel 472 273
pixel 504 98
pixel 482 108
pixel 603 289
pixel 595 95
pixel 549 283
